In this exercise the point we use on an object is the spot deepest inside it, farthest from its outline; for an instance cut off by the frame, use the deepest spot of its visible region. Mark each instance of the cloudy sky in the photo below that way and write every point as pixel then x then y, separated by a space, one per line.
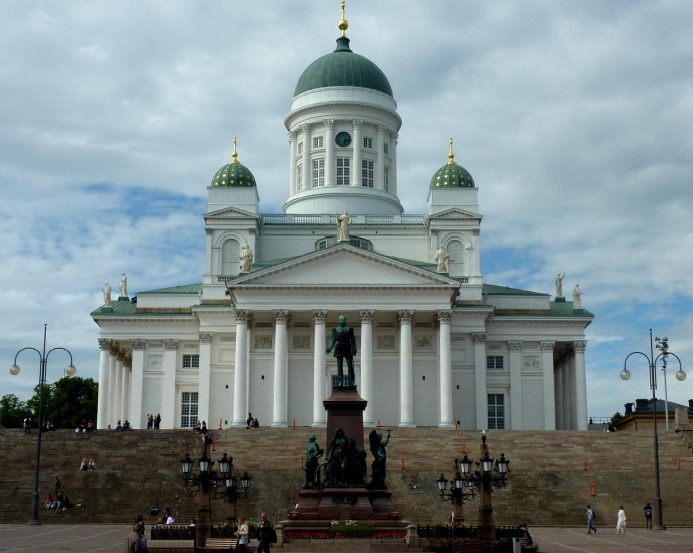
pixel 574 118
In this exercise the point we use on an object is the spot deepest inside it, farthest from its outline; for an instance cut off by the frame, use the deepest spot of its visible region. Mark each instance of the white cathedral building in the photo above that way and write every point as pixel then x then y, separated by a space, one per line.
pixel 437 346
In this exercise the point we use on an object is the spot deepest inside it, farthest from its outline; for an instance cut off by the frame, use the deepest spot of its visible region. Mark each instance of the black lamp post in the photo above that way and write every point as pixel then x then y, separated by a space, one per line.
pixel 213 484
pixel 457 495
pixel 663 346
pixel 479 481
pixel 14 370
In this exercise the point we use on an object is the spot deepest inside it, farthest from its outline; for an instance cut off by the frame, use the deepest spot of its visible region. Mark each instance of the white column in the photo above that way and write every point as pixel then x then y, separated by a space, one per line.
pixel 319 363
pixel 307 165
pixel 580 384
pixel 280 368
pixel 515 384
pixel 379 158
pixel 549 384
pixel 292 163
pixel 240 380
pixel 102 409
pixel 558 394
pixel 480 381
pixel 367 365
pixel 119 390
pixel 168 399
pixel 330 170
pixel 112 362
pixel 446 418
pixel 137 384
pixel 357 144
pixel 567 404
pixel 208 256
pixel 406 371
pixel 125 402
pixel 393 177
pixel 204 383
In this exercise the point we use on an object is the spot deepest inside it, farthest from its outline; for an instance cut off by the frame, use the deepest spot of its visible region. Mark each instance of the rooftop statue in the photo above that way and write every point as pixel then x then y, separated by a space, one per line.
pixel 343 227
pixel 577 297
pixel 123 288
pixel 559 285
pixel 107 300
pixel 443 259
pixel 246 258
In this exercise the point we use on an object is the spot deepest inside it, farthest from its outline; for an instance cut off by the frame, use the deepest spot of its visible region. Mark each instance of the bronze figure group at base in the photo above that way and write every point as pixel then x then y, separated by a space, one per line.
pixel 345 465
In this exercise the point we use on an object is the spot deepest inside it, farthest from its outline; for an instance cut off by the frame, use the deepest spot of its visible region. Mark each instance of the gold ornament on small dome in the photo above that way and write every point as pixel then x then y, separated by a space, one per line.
pixel 234 156
pixel 451 156
pixel 343 24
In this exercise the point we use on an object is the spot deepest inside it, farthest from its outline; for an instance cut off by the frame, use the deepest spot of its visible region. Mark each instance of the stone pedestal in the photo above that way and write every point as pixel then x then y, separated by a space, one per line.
pixel 345 409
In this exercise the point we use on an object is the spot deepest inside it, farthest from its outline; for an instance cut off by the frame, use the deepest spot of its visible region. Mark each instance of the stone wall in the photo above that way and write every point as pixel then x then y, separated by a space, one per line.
pixel 548 483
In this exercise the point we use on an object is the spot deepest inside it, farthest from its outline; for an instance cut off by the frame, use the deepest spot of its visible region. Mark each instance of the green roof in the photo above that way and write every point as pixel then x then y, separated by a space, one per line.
pixel 452 175
pixel 565 309
pixel 233 175
pixel 494 290
pixel 343 68
pixel 182 289
pixel 121 307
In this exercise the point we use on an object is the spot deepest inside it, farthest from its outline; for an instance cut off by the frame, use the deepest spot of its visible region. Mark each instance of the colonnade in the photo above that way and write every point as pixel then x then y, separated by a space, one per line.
pixel 121 377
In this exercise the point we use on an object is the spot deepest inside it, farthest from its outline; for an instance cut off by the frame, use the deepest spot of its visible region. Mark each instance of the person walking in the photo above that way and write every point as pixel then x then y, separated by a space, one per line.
pixel 265 527
pixel 621 521
pixel 648 516
pixel 590 520
pixel 242 534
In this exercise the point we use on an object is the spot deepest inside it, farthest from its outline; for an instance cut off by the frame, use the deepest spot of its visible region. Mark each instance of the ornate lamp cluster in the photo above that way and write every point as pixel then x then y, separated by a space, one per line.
pixel 222 484
pixel 472 479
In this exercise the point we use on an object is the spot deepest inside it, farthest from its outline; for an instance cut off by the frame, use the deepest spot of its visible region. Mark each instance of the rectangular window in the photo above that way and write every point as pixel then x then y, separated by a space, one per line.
pixel 367 173
pixel 496 412
pixel 299 177
pixel 342 171
pixel 318 173
pixel 317 142
pixel 300 148
pixel 386 148
pixel 386 179
pixel 191 361
pixel 189 409
pixel 494 362
pixel 367 142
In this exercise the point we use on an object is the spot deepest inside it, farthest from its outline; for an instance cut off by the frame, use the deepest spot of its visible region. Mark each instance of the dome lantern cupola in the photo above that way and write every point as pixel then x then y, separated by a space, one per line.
pixel 452 175
pixel 233 174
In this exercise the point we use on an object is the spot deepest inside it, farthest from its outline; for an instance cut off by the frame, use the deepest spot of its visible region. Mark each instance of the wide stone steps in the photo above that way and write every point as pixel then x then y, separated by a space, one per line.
pixel 547 481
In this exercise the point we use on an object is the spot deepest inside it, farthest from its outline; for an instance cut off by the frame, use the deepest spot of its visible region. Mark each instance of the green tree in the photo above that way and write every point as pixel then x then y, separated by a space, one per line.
pixel 13 411
pixel 616 416
pixel 67 402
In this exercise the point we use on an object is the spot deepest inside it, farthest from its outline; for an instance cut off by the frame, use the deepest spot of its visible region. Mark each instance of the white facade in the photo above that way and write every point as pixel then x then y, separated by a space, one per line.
pixel 433 348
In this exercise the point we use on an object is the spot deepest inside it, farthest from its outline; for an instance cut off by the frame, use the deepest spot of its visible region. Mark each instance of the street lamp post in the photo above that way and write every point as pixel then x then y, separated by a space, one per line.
pixel 480 481
pixel 213 484
pixel 14 370
pixel 663 346
pixel 457 494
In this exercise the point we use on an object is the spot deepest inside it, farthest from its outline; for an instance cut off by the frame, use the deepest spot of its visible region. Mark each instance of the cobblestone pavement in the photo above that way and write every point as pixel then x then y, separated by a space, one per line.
pixel 105 538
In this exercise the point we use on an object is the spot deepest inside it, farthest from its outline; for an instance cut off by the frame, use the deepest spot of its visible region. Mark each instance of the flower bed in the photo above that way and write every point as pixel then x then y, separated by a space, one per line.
pixel 346 529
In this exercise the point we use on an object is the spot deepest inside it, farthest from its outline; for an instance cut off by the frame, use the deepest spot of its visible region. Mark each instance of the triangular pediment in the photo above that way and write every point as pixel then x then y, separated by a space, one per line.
pixel 230 213
pixel 455 213
pixel 344 266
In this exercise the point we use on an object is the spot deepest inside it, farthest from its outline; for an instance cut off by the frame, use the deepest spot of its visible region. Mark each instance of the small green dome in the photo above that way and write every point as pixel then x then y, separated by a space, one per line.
pixel 233 174
pixel 343 68
pixel 452 175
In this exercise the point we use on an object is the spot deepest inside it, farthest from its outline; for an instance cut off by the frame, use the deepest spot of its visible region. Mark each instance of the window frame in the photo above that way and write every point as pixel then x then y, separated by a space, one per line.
pixel 367 173
pixel 318 172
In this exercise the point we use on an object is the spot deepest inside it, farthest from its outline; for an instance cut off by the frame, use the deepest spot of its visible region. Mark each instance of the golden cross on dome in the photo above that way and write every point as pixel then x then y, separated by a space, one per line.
pixel 451 156
pixel 235 154
pixel 343 24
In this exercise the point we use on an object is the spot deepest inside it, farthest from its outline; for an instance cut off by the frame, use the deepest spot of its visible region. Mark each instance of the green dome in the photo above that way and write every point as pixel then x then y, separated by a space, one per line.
pixel 233 174
pixel 343 68
pixel 452 175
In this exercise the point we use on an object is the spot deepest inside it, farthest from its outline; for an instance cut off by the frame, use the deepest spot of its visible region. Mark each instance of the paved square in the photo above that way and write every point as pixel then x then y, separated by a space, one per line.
pixel 104 538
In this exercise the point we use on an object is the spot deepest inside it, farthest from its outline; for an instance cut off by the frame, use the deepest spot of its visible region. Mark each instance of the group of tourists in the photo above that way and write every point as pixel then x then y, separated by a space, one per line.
pixel 84 466
pixel 153 422
pixel 250 422
pixel 620 519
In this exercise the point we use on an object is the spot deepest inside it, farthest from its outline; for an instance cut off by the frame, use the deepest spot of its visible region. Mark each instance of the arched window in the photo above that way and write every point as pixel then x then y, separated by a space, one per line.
pixel 230 264
pixel 457 253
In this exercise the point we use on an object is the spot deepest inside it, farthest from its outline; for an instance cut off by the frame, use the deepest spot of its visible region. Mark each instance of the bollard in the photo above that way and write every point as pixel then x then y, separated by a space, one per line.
pixel 403 463
pixel 220 423
pixel 456 427
pixel 214 444
pixel 294 424
pixel 584 463
pixel 593 492
pixel 678 463
pixel 378 424
pixel 302 468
